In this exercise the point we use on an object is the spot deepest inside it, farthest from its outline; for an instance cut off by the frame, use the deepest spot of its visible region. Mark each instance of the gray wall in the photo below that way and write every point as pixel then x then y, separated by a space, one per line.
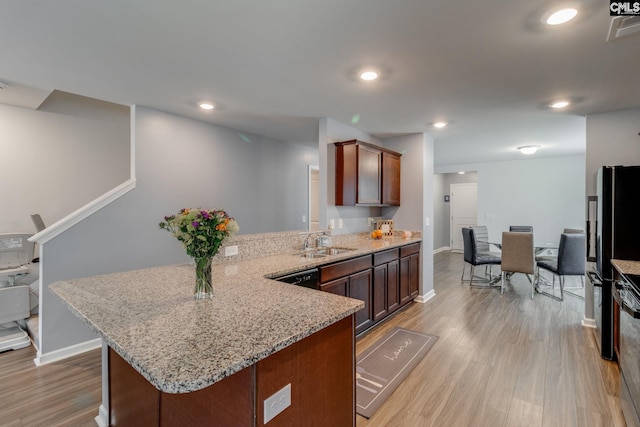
pixel 416 197
pixel 180 162
pixel 354 217
pixel 60 157
pixel 547 193
pixel 612 139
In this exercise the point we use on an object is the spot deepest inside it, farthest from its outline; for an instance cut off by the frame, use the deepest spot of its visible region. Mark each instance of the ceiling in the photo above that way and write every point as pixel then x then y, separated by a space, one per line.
pixel 490 68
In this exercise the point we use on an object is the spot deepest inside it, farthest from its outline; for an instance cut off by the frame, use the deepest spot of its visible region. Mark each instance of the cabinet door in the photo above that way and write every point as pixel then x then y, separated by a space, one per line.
pixel 393 286
pixel 414 275
pixel 390 179
pixel 369 173
pixel 360 288
pixel 405 273
pixel 380 292
pixel 338 287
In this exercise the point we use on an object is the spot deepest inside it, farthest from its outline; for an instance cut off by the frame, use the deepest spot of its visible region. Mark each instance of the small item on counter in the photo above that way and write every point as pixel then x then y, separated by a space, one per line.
pixel 406 234
pixel 377 234
pixel 386 225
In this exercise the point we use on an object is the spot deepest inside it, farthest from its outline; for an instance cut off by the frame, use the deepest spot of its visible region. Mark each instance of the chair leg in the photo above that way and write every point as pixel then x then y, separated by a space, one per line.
pixel 582 281
pixel 533 283
pixel 472 273
pixel 502 283
pixel 561 280
pixel 464 264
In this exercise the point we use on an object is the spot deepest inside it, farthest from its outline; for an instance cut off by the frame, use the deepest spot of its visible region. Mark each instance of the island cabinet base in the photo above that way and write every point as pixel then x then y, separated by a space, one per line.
pixel 320 369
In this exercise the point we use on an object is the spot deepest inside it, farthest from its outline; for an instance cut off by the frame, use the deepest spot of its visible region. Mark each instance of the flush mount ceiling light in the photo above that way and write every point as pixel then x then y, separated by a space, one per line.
pixel 559 104
pixel 561 16
pixel 528 149
pixel 440 125
pixel 207 106
pixel 368 75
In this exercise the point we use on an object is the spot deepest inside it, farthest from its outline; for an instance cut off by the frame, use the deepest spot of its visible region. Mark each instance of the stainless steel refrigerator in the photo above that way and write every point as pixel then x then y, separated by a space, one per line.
pixel 617 237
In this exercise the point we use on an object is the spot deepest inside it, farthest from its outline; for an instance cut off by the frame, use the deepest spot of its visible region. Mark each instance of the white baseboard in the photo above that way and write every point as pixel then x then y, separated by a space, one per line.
pixel 63 353
pixel 588 323
pixel 103 417
pixel 442 249
pixel 426 297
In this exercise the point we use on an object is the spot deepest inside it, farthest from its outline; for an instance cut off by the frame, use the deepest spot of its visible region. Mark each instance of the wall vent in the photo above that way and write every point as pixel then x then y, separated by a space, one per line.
pixel 623 26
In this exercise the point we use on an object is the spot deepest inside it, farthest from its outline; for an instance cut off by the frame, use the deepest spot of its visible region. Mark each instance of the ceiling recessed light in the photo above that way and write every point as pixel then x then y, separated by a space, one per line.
pixel 439 125
pixel 559 104
pixel 528 149
pixel 561 16
pixel 207 106
pixel 461 173
pixel 368 75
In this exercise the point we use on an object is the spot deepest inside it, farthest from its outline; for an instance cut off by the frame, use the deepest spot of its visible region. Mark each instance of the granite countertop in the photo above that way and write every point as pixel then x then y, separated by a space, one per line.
pixel 179 344
pixel 626 267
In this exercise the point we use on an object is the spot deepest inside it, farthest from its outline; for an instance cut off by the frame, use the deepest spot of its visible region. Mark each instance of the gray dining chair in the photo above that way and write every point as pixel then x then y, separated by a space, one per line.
pixel 521 228
pixel 481 237
pixel 571 261
pixel 573 230
pixel 517 256
pixel 475 258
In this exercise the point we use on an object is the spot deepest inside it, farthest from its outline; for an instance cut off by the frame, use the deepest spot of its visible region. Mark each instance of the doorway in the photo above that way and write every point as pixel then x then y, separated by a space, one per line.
pixel 464 211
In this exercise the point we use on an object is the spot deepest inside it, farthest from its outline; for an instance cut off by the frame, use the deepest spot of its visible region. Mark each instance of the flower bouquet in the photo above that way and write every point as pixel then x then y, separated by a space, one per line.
pixel 201 233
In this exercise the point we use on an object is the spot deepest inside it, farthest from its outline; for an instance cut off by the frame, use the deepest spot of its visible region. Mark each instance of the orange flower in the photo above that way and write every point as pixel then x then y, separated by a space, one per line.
pixel 221 227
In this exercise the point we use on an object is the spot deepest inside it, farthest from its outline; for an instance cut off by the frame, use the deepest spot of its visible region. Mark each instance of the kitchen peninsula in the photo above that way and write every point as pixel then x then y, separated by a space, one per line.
pixel 179 361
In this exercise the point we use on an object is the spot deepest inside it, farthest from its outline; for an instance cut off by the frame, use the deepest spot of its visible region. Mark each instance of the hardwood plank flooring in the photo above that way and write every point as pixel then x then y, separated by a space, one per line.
pixel 501 360
pixel 65 393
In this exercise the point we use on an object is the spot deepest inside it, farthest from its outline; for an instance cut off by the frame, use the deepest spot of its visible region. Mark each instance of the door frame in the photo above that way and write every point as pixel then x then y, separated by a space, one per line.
pixel 452 201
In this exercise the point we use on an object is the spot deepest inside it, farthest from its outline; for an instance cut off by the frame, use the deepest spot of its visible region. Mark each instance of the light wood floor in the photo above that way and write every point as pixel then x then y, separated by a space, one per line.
pixel 501 360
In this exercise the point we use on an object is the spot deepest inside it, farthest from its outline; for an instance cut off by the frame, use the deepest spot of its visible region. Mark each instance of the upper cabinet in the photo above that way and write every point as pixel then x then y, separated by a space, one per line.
pixel 366 174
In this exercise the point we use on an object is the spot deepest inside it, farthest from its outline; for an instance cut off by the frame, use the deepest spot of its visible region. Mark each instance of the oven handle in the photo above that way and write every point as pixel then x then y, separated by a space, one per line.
pixel 623 305
pixel 594 278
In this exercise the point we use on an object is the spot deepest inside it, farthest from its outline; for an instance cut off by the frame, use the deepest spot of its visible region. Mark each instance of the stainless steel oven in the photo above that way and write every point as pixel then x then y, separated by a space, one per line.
pixel 627 295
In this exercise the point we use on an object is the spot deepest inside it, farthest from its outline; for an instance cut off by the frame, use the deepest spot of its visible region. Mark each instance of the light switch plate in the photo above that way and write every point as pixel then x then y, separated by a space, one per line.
pixel 339 222
pixel 277 402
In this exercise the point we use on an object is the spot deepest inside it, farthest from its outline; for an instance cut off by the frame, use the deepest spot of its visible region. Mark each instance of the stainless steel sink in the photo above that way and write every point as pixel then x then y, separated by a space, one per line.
pixel 323 252
pixel 333 250
pixel 312 255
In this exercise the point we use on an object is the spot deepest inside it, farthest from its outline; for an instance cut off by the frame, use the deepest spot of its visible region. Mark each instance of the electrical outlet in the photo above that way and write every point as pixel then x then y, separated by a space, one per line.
pixel 277 402
pixel 304 218
pixel 231 250
pixel 339 222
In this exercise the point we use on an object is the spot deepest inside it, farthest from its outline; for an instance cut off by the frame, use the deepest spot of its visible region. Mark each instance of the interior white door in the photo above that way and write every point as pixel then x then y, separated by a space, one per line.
pixel 464 211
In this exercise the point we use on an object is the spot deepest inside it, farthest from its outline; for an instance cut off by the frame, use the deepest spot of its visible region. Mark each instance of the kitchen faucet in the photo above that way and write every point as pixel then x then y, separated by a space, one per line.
pixel 305 245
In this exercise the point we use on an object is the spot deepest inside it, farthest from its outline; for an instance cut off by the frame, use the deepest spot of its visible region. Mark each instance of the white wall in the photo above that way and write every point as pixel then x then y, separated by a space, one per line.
pixel 60 157
pixel 547 193
pixel 180 162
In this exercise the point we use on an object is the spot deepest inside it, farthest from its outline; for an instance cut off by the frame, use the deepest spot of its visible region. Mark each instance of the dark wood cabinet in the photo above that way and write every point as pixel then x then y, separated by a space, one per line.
pixel 360 288
pixel 386 295
pixel 351 278
pixel 409 272
pixel 366 174
pixel 390 179
pixel 320 369
pixel 385 281
pixel 338 287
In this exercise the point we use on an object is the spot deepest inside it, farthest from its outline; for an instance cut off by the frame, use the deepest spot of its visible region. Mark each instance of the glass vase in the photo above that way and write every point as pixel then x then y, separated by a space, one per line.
pixel 204 288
